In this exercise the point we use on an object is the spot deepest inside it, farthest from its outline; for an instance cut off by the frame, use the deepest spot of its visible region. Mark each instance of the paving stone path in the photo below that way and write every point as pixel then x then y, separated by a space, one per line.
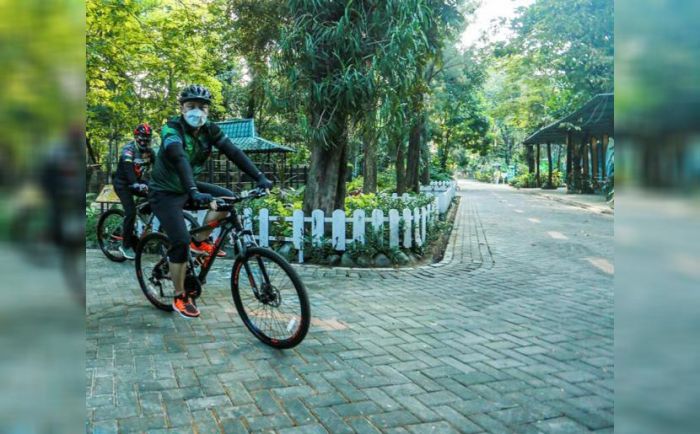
pixel 511 332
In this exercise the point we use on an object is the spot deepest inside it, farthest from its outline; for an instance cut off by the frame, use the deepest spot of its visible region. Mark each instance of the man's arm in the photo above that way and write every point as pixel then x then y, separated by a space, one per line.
pixel 126 166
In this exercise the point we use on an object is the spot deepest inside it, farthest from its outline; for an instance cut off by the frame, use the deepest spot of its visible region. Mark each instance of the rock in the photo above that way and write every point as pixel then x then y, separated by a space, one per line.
pixel 346 260
pixel 402 258
pixel 363 261
pixel 381 260
pixel 333 260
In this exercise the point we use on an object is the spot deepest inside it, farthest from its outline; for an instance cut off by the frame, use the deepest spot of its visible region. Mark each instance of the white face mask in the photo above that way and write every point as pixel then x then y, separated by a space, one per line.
pixel 195 118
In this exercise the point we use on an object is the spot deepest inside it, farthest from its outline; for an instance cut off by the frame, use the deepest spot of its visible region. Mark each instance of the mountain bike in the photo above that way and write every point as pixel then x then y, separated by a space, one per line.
pixel 111 223
pixel 268 294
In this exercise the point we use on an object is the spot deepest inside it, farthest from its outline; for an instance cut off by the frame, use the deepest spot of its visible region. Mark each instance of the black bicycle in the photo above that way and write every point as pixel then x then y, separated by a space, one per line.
pixel 110 228
pixel 269 296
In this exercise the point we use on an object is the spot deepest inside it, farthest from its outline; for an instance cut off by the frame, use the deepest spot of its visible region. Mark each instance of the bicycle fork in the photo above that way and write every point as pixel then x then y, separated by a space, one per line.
pixel 263 291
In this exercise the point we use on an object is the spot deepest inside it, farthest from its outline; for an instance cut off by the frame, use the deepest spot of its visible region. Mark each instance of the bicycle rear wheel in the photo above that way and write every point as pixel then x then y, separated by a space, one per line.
pixel 109 234
pixel 270 298
pixel 153 270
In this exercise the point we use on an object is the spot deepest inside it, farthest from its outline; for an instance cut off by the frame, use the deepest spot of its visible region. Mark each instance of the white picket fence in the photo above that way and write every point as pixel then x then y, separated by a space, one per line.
pixel 415 223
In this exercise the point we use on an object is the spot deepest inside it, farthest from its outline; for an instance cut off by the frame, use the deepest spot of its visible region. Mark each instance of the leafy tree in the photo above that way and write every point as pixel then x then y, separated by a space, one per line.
pixel 343 54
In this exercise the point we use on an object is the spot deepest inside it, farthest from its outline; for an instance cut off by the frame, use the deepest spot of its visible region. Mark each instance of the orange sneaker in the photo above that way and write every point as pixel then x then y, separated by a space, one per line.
pixel 183 305
pixel 205 248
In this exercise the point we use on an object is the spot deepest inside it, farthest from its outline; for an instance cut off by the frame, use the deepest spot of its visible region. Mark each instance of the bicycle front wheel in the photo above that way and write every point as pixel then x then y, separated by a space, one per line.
pixel 270 298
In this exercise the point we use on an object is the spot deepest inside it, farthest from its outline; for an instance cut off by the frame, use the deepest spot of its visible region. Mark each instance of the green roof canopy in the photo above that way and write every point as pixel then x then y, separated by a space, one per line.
pixel 595 118
pixel 242 134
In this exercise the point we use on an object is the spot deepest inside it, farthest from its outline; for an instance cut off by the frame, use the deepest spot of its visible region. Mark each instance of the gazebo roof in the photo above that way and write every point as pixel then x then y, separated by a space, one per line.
pixel 242 134
pixel 596 117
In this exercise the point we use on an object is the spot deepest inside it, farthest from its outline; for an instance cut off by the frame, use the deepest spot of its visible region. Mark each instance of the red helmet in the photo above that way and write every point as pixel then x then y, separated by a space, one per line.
pixel 142 134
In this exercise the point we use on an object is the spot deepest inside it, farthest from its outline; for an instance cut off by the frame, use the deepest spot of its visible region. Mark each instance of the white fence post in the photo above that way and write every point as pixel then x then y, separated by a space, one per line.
pixel 393 228
pixel 358 226
pixel 264 224
pixel 298 233
pixel 378 224
pixel 338 229
pixel 248 219
pixel 416 227
pixel 423 223
pixel 317 225
pixel 407 228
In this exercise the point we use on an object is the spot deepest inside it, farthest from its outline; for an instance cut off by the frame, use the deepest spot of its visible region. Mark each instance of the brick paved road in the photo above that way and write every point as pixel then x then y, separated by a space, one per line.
pixel 512 333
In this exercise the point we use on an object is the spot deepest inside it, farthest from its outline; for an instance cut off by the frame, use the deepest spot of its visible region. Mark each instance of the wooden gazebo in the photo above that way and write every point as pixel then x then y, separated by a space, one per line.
pixel 261 151
pixel 586 133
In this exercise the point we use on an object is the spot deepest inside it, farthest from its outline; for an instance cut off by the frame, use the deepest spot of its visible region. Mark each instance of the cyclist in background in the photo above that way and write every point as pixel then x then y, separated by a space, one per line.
pixel 134 160
pixel 186 144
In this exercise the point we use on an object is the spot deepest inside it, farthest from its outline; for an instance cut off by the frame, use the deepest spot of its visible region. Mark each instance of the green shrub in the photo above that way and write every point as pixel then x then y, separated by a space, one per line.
pixel 525 180
pixel 318 254
pixel 367 202
pixel 483 176
pixel 355 185
pixel 375 243
pixel 437 174
pixel 92 215
pixel 386 180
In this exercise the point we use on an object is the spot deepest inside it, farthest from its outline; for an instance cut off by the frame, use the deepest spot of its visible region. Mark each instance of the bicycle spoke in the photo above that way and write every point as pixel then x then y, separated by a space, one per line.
pixel 274 317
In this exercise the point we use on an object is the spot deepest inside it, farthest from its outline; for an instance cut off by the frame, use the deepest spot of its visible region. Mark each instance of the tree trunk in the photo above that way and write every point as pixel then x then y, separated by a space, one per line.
pixel 585 148
pixel 549 161
pixel 369 170
pixel 414 143
pixel 444 151
pixel 530 157
pixel 342 173
pixel 325 186
pixel 569 160
pixel 575 167
pixel 595 167
pixel 559 159
pixel 400 169
pixel 604 151
pixel 425 161
pixel 537 165
pixel 507 152
pixel 413 159
pixel 93 157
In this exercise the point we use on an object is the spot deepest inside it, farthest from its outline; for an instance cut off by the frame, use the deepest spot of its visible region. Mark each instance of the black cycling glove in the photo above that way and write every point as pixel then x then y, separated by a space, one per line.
pixel 263 182
pixel 199 198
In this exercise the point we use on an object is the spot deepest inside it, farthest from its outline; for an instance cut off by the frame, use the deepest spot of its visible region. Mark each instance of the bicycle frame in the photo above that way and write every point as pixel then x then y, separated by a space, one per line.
pixel 144 219
pixel 231 224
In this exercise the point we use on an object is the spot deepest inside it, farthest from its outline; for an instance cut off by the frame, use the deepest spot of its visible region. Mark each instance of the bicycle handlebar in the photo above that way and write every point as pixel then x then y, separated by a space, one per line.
pixel 225 203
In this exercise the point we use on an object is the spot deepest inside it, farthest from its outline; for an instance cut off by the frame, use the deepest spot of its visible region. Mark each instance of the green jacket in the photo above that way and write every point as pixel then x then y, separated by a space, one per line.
pixel 164 176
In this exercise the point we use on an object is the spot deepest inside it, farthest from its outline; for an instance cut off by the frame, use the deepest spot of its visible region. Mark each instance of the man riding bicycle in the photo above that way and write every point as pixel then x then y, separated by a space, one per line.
pixel 186 145
pixel 134 159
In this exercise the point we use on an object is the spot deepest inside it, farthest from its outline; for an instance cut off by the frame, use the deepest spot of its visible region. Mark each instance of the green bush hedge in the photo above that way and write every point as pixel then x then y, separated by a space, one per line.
pixel 483 176
pixel 525 180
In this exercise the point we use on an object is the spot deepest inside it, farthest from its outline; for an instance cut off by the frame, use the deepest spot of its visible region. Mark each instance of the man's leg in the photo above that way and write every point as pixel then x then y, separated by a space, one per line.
pixel 168 209
pixel 129 206
pixel 178 270
pixel 211 216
